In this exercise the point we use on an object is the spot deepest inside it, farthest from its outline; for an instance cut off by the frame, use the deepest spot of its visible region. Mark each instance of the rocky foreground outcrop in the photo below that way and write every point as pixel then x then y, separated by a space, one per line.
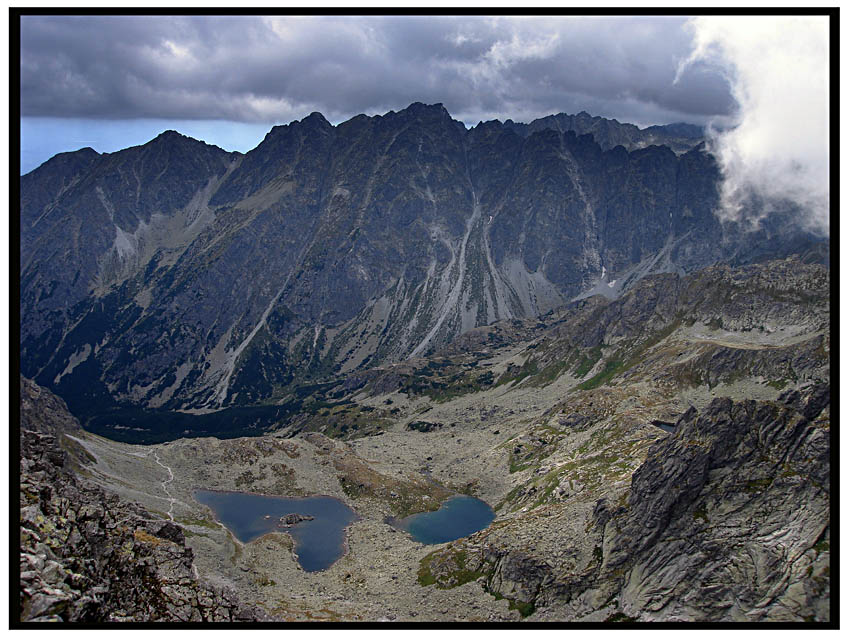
pixel 86 556
pixel 728 519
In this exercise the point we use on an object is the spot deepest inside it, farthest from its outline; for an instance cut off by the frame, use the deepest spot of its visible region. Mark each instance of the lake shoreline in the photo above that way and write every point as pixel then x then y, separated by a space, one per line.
pixel 468 513
pixel 325 516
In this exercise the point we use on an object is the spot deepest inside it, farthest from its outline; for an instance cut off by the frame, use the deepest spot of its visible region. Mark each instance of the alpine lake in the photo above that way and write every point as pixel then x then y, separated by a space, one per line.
pixel 319 536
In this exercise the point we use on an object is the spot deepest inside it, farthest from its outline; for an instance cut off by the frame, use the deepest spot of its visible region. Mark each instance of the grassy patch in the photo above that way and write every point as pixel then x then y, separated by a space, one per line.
pixel 588 361
pixel 424 576
pixel 611 369
pixel 516 374
pixel 628 358
pixel 143 536
pixel 512 495
pixel 525 608
pixel 549 374
pixel 404 497
pixel 342 420
pixel 446 568
pixel 757 486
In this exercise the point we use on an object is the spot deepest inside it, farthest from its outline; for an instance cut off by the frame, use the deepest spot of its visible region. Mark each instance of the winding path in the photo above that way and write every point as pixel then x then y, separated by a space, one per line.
pixel 171 499
pixel 137 454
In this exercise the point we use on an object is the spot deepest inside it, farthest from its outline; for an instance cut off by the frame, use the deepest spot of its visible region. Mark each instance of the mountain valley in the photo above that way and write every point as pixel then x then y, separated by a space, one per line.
pixel 663 456
pixel 398 309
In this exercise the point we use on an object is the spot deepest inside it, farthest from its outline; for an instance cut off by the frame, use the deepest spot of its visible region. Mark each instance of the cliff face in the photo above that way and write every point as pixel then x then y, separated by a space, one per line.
pixel 727 519
pixel 86 556
pixel 175 275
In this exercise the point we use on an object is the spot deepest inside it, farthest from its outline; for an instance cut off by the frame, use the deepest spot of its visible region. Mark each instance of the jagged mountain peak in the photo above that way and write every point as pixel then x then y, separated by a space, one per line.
pixel 67 161
pixel 420 108
pixel 316 119
pixel 173 138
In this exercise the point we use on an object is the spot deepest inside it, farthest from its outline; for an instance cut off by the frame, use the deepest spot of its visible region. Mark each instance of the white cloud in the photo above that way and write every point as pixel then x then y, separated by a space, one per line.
pixel 778 70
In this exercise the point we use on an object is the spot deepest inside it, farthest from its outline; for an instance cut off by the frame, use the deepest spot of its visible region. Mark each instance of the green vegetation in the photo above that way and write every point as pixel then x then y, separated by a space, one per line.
pixel 757 486
pixel 210 524
pixel 512 495
pixel 424 575
pixel 452 569
pixel 150 426
pixel 525 608
pixel 611 369
pixel 551 482
pixel 342 420
pixel 549 374
pixel 588 361
pixel 625 358
pixel 516 374
pixel 440 389
pixel 404 497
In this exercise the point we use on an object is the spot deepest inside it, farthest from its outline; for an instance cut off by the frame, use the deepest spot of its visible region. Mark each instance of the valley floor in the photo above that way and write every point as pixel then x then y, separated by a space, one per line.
pixel 663 457
pixel 378 578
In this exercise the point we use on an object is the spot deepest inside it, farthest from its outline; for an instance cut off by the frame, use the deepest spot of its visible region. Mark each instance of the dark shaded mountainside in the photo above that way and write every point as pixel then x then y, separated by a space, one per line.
pixel 175 277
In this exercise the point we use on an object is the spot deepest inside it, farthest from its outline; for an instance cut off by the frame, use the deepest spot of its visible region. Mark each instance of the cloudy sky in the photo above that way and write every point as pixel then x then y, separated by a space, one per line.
pixel 110 82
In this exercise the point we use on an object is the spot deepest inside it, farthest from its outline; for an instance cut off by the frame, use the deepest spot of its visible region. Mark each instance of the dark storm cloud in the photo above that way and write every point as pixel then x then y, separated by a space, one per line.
pixel 281 68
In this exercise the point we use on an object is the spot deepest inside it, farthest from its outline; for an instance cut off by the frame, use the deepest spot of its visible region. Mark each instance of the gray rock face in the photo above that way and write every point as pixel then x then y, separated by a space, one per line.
pixel 291 519
pixel 728 519
pixel 175 275
pixel 43 411
pixel 88 557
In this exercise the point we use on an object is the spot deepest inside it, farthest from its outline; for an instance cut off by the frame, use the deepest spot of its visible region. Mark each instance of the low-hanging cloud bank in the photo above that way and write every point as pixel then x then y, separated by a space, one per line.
pixel 778 70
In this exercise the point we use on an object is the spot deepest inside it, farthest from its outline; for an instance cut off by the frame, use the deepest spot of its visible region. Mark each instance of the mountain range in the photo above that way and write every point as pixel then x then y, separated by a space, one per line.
pixel 178 277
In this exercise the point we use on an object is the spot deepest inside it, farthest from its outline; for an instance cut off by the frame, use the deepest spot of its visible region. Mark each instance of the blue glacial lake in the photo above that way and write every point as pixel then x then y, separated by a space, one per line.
pixel 318 542
pixel 458 517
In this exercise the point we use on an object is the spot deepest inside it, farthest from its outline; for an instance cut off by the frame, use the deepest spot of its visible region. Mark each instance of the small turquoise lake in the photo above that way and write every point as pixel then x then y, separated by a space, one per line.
pixel 318 542
pixel 458 517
